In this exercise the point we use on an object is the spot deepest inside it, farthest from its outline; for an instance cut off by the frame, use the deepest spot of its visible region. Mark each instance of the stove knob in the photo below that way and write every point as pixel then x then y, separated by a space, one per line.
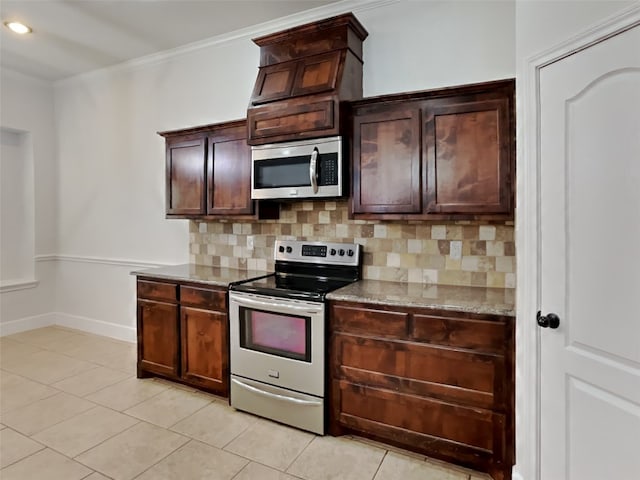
pixel 333 251
pixel 281 249
pixel 289 249
pixel 341 252
pixel 350 252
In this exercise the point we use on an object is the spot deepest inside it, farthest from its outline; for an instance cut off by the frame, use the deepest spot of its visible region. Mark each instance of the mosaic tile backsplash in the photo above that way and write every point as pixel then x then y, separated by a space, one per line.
pixel 446 253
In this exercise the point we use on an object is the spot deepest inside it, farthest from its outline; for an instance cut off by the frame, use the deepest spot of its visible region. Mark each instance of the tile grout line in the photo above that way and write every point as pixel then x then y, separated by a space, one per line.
pixel 386 452
pixel 131 406
pixel 61 421
pixel 299 454
pixel 34 381
pixel 27 456
pixel 138 422
pixel 189 440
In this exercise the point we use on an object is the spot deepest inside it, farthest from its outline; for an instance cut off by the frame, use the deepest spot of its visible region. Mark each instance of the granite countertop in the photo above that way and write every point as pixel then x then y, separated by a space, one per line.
pixel 190 272
pixel 497 301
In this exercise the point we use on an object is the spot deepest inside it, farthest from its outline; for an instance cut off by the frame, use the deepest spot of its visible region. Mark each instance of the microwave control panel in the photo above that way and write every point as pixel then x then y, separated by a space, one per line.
pixel 328 171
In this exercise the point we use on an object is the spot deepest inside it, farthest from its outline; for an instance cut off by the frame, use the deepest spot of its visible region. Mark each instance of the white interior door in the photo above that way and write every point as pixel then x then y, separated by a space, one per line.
pixel 590 262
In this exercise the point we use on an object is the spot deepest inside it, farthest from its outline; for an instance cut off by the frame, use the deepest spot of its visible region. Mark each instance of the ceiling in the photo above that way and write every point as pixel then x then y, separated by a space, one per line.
pixel 76 36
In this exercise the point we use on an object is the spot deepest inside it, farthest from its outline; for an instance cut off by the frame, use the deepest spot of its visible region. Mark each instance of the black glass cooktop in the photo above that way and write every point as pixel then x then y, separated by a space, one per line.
pixel 303 287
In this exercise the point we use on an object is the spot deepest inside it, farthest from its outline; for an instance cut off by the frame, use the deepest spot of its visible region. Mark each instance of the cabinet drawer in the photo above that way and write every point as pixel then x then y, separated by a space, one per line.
pixel 482 335
pixel 161 291
pixel 387 413
pixel 203 297
pixel 452 375
pixel 369 321
pixel 307 119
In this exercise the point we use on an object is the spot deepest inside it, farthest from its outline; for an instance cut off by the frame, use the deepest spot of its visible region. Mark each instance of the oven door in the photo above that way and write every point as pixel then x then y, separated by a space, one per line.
pixel 278 341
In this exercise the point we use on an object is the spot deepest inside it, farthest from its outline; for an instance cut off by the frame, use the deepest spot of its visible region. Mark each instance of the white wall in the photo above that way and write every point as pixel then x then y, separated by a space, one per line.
pixel 540 25
pixel 16 208
pixel 27 107
pixel 419 45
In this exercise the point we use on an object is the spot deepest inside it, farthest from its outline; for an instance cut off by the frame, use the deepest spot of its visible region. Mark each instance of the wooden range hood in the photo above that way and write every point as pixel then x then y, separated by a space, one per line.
pixel 306 74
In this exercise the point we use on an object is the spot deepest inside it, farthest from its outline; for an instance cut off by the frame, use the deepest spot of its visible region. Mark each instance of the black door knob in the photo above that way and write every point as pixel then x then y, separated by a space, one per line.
pixel 550 320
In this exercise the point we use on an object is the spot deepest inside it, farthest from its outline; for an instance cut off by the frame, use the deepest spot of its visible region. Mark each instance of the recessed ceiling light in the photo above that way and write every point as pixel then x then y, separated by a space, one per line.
pixel 18 27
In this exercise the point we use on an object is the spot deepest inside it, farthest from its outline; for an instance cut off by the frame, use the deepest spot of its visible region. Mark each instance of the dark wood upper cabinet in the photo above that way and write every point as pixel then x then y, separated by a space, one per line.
pixel 468 148
pixel 208 173
pixel 186 162
pixel 310 75
pixel 380 185
pixel 317 74
pixel 229 172
pixel 440 154
pixel 306 74
pixel 274 82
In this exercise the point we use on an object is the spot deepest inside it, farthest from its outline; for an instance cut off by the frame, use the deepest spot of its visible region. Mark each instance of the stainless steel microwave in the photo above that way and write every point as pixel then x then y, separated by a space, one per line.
pixel 303 169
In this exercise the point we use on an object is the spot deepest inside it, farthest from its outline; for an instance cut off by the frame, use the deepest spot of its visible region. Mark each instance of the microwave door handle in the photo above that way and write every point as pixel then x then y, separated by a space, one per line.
pixel 313 170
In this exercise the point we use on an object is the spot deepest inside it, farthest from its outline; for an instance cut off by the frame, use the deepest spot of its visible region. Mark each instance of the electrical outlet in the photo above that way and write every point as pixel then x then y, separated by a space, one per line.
pixel 250 242
pixel 455 250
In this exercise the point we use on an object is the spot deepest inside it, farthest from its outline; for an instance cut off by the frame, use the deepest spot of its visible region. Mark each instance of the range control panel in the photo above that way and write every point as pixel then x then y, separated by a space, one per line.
pixel 318 252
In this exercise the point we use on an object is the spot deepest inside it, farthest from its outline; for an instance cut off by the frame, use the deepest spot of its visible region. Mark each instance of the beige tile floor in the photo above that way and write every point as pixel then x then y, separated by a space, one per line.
pixel 71 408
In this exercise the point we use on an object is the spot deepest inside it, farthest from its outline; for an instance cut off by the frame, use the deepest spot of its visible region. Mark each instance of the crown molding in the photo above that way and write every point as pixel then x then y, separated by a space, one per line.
pixel 266 28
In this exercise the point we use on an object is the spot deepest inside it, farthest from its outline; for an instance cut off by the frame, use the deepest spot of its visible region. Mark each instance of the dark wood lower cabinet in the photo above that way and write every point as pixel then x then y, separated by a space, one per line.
pixel 182 334
pixel 158 337
pixel 438 383
pixel 204 348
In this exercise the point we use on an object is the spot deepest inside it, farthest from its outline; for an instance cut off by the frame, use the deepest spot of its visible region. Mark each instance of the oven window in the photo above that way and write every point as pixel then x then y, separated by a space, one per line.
pixel 278 334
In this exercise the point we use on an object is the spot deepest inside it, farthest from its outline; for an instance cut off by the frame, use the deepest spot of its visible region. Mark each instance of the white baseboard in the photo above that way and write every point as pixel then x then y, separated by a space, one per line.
pixel 27 323
pixel 97 327
pixel 89 325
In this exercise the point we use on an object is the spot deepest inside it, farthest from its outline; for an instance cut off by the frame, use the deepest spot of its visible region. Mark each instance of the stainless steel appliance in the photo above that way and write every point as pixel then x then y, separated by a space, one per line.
pixel 278 332
pixel 302 169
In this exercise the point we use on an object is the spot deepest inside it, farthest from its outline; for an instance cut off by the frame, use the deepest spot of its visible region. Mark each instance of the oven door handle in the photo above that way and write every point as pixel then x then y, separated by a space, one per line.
pixel 259 303
pixel 276 396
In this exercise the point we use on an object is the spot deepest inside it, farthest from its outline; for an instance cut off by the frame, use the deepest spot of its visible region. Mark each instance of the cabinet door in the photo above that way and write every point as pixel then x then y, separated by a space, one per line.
pixel 316 74
pixel 469 157
pixel 387 174
pixel 158 337
pixel 185 193
pixel 204 348
pixel 229 172
pixel 274 82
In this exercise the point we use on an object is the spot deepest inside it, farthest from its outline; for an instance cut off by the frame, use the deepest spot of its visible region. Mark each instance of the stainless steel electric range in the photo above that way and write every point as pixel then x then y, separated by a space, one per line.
pixel 278 332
